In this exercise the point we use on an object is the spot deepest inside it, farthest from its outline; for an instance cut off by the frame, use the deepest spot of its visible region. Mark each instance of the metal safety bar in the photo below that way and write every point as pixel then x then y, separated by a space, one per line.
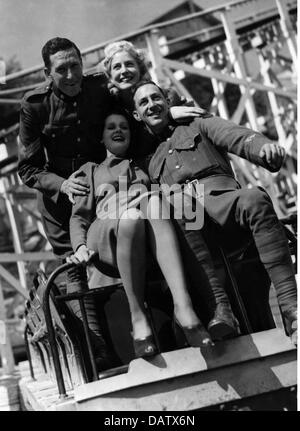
pixel 28 352
pixel 80 296
pixel 51 331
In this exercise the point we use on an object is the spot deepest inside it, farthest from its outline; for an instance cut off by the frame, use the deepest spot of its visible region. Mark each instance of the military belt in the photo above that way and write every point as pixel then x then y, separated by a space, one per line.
pixel 213 182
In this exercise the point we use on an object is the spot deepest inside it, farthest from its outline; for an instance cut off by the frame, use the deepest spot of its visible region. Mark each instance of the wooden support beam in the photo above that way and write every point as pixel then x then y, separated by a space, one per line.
pixel 27 256
pixel 177 84
pixel 238 113
pixel 288 32
pixel 13 282
pixel 237 60
pixel 10 101
pixel 219 91
pixel 20 89
pixel 264 69
pixel 156 58
pixel 6 353
pixel 191 379
pixel 17 236
pixel 177 65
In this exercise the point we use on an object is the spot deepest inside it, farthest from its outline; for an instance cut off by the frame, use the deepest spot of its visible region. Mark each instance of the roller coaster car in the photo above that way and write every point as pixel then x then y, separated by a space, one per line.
pixel 254 370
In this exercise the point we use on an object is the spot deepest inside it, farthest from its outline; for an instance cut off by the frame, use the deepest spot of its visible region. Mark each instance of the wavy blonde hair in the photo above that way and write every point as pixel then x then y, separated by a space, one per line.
pixel 123 45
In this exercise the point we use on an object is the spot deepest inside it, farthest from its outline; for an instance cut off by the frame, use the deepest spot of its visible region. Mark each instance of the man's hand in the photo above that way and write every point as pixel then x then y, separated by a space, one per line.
pixel 82 255
pixel 186 113
pixel 273 154
pixel 73 186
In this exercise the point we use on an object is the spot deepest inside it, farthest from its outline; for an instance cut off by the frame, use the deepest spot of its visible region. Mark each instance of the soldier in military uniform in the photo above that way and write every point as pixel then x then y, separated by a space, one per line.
pixel 60 130
pixel 197 154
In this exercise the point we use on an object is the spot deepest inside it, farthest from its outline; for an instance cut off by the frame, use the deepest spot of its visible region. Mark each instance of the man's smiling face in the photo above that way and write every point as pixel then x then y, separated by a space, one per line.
pixel 151 107
pixel 66 71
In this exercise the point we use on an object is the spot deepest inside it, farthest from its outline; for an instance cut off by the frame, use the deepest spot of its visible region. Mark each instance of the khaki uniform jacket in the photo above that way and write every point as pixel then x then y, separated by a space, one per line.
pixel 57 135
pixel 199 150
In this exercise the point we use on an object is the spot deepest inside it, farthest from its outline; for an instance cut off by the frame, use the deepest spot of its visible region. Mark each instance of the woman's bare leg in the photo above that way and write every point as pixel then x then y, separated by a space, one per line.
pixel 131 259
pixel 165 246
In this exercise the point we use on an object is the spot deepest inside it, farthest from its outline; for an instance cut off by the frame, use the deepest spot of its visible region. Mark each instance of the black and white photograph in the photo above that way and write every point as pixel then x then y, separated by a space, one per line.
pixel 148 208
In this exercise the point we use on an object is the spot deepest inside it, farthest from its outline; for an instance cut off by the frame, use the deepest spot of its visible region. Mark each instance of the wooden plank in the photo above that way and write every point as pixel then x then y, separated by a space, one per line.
pixel 177 65
pixel 6 353
pixel 288 32
pixel 27 256
pixel 204 389
pixel 15 224
pixel 9 392
pixel 184 362
pixel 186 379
pixel 42 394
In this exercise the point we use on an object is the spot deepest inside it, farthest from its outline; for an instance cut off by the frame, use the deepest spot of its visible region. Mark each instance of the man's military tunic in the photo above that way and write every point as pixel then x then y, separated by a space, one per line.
pixel 198 151
pixel 58 134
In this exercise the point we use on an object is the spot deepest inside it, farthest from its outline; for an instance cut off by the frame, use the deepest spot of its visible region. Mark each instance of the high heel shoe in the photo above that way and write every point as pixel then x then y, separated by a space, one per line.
pixel 144 347
pixel 195 335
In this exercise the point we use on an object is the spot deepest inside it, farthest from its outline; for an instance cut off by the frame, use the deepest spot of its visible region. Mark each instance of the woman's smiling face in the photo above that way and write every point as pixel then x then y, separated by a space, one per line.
pixel 116 134
pixel 124 71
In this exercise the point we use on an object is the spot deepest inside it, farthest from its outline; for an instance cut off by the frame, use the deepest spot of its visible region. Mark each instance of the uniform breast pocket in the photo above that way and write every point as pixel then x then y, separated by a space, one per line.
pixel 197 155
pixel 57 135
pixel 55 131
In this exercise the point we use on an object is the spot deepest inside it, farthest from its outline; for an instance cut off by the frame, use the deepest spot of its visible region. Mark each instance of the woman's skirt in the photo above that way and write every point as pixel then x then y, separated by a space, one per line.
pixel 103 233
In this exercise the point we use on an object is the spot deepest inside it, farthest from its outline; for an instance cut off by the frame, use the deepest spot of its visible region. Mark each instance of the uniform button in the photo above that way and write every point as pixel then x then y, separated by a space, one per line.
pixel 78 139
pixel 53 135
pixel 75 104
pixel 78 122
pixel 170 151
pixel 177 166
pixel 191 146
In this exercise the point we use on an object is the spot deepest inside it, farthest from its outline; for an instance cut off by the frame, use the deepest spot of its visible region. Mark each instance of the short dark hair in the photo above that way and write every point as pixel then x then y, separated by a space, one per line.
pixel 57 44
pixel 145 82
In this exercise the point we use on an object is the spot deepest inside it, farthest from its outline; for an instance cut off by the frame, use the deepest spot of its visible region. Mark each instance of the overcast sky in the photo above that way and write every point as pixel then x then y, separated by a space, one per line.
pixel 25 25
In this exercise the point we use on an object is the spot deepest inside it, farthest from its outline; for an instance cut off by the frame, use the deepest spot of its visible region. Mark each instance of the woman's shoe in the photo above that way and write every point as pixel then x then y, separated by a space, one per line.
pixel 144 347
pixel 195 336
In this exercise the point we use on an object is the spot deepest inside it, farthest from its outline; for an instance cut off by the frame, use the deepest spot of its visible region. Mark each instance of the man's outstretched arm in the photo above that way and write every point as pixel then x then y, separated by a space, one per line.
pixel 243 142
